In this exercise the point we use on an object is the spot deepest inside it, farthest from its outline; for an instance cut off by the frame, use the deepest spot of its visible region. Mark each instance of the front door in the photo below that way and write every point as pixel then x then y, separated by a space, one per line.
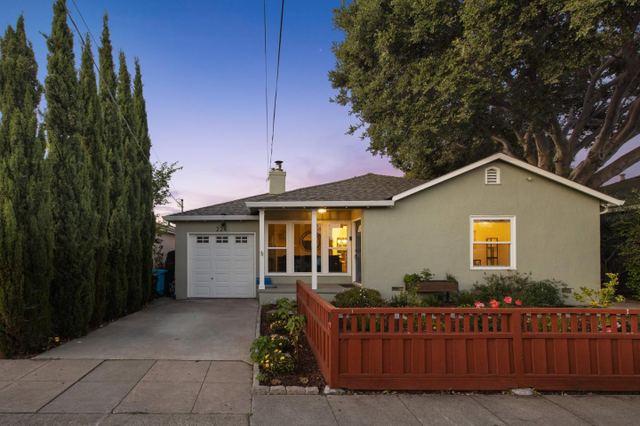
pixel 358 250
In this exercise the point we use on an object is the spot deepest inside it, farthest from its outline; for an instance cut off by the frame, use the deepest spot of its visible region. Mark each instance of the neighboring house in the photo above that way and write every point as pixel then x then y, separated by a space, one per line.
pixel 164 243
pixel 496 215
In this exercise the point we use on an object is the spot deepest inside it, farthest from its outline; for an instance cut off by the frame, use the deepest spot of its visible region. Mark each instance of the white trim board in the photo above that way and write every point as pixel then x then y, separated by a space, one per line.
pixel 208 218
pixel 304 204
pixel 518 163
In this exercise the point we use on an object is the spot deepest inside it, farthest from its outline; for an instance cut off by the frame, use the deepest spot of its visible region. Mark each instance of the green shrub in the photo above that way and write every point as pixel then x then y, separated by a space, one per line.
pixel 432 301
pixel 405 298
pixel 410 280
pixel 463 298
pixel 519 286
pixel 603 297
pixel 278 327
pixel 358 297
pixel 285 308
pixel 272 359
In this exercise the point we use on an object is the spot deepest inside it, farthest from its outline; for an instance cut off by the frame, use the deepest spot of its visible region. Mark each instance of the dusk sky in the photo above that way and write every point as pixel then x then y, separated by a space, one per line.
pixel 203 70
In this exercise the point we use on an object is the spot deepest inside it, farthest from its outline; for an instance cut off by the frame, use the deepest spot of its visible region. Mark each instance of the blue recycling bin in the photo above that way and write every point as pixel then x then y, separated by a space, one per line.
pixel 159 278
pixel 267 281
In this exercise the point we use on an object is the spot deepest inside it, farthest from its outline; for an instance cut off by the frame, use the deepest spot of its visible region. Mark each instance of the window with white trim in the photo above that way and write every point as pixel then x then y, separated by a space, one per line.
pixel 289 248
pixel 277 247
pixel 492 176
pixel 493 242
pixel 202 239
pixel 222 239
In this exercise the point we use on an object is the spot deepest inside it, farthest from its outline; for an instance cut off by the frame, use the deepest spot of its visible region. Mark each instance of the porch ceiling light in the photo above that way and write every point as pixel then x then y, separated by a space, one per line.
pixel 322 210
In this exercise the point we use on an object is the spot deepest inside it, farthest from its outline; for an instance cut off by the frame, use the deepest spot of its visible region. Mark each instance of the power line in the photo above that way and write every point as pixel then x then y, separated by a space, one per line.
pixel 266 83
pixel 111 95
pixel 275 95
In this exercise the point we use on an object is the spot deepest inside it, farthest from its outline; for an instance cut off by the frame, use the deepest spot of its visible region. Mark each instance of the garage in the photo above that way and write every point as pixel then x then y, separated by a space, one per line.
pixel 222 265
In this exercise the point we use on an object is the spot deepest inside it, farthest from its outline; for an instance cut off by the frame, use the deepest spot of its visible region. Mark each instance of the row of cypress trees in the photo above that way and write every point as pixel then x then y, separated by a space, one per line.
pixel 76 193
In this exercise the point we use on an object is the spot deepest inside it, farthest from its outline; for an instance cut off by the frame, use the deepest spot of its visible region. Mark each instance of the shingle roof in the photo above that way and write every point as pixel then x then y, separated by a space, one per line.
pixel 369 187
pixel 235 207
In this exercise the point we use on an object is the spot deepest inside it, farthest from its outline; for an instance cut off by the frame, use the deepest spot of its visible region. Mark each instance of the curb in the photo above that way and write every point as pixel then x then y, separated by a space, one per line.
pixel 258 389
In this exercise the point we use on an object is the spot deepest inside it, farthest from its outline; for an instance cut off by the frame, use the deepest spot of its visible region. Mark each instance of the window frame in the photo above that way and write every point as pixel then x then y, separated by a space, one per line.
pixel 268 248
pixel 322 250
pixel 512 242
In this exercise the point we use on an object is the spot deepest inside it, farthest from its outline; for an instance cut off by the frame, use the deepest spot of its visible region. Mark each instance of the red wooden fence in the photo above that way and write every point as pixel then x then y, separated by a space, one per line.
pixel 473 349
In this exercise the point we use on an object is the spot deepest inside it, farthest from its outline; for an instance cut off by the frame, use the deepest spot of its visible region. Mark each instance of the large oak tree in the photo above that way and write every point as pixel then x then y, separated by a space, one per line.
pixel 438 84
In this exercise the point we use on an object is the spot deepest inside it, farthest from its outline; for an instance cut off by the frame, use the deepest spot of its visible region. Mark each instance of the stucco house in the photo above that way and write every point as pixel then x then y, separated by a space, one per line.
pixel 498 214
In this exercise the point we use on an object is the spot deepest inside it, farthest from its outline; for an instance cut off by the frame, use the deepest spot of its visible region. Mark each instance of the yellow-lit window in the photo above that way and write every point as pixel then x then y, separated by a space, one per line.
pixel 338 243
pixel 277 247
pixel 492 242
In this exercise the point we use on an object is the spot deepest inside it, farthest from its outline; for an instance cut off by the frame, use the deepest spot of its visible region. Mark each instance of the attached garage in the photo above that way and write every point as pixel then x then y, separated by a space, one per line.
pixel 222 265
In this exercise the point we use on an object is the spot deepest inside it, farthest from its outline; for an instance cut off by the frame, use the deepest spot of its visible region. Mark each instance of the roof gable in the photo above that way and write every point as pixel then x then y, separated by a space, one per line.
pixel 518 163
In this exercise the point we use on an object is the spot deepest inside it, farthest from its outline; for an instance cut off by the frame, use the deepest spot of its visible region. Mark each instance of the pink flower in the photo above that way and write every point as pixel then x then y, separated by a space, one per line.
pixel 518 302
pixel 608 330
pixel 494 303
pixel 478 304
pixel 507 299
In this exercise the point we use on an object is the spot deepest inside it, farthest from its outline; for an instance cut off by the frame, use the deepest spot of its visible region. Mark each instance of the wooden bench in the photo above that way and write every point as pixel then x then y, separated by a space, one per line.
pixel 437 286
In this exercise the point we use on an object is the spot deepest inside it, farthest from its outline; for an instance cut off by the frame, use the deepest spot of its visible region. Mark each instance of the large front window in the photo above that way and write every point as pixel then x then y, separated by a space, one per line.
pixel 289 248
pixel 493 242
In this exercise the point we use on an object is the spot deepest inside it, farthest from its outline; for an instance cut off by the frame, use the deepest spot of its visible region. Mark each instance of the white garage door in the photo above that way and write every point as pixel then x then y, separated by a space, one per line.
pixel 222 265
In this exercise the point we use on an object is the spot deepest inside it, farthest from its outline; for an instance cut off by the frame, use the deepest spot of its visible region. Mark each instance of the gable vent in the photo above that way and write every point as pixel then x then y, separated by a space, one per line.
pixel 492 176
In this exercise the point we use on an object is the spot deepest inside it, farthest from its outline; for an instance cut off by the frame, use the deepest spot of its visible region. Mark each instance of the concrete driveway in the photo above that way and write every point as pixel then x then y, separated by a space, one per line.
pixel 213 329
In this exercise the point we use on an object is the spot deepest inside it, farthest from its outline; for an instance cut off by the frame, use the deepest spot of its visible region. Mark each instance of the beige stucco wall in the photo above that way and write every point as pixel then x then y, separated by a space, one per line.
pixel 557 230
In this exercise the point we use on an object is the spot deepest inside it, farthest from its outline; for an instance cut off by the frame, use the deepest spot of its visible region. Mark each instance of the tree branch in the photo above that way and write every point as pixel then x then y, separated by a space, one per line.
pixel 506 145
pixel 615 168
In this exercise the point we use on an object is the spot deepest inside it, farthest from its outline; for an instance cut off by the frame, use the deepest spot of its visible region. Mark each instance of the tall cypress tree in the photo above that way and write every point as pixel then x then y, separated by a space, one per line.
pixel 132 169
pixel 25 214
pixel 118 217
pixel 72 287
pixel 93 143
pixel 146 182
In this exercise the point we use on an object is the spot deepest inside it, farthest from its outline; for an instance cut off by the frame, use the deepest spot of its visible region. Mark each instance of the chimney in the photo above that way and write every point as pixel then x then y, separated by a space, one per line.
pixel 277 178
pixel 622 177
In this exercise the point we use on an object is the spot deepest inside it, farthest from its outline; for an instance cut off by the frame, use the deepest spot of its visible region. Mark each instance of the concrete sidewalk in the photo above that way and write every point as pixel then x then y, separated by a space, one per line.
pixel 119 391
pixel 436 409
pixel 140 392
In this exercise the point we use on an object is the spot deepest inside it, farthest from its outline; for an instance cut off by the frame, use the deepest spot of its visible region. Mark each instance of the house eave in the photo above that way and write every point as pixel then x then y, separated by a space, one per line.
pixel 312 204
pixel 209 218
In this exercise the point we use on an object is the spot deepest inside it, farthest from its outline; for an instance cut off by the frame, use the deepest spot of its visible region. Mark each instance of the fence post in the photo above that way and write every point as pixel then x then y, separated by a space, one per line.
pixel 518 351
pixel 334 345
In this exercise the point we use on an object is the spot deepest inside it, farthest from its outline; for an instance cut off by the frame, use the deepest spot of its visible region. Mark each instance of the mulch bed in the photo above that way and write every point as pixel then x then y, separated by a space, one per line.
pixel 307 372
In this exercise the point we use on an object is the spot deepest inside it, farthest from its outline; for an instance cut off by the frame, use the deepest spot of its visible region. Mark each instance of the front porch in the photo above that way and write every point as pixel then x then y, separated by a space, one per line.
pixel 329 259
pixel 274 292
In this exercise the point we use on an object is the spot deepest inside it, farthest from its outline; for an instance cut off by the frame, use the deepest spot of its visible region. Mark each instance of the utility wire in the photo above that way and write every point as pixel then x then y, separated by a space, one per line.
pixel 266 83
pixel 275 96
pixel 111 95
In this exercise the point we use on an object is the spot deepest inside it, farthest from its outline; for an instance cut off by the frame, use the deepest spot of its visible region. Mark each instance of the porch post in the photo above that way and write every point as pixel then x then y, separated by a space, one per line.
pixel 314 249
pixel 261 246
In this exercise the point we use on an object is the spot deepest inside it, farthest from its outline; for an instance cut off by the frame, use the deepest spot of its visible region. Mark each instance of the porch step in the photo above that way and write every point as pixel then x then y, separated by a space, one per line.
pixel 275 292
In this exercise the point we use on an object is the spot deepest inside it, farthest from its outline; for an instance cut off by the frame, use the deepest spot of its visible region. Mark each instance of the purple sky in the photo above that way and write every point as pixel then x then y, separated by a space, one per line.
pixel 203 69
